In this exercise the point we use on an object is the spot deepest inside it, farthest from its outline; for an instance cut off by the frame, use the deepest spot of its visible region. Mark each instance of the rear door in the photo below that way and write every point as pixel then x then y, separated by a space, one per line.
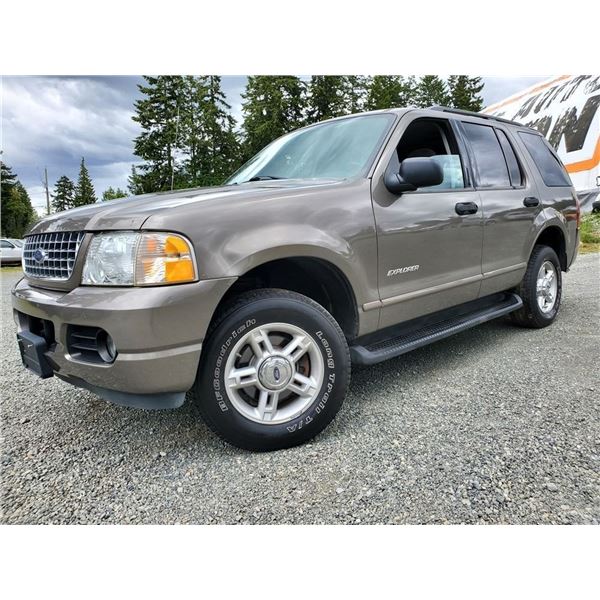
pixel 509 200
pixel 557 193
pixel 429 255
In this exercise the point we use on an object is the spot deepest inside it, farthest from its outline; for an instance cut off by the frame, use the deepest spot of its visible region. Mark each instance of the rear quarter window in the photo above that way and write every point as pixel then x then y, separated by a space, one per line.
pixel 551 169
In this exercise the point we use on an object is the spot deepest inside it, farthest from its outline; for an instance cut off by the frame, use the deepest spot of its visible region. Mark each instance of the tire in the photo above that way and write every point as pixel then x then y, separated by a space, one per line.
pixel 531 314
pixel 244 364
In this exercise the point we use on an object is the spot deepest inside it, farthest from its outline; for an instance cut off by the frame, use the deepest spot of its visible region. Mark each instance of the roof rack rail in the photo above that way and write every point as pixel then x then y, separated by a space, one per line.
pixel 469 113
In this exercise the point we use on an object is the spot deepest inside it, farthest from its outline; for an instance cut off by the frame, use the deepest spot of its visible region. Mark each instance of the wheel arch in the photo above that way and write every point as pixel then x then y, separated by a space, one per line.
pixel 313 276
pixel 554 237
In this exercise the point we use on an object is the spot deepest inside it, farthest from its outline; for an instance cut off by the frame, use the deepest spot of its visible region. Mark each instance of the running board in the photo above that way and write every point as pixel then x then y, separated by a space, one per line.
pixel 399 339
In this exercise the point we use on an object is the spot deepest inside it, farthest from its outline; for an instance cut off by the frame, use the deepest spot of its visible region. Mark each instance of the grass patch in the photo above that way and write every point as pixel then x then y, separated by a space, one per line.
pixel 11 269
pixel 589 231
pixel 588 248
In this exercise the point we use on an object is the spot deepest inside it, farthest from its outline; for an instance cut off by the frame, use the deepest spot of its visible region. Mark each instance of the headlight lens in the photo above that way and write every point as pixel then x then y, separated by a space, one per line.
pixel 110 259
pixel 129 258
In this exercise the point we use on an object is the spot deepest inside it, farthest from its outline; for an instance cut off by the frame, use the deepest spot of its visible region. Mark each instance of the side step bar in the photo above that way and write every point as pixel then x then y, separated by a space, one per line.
pixel 399 339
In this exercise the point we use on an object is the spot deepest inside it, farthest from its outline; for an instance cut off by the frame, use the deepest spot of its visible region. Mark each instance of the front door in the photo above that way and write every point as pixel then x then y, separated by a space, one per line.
pixel 429 240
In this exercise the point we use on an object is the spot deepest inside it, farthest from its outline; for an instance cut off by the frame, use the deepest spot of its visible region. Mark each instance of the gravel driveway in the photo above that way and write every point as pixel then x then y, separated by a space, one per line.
pixel 495 425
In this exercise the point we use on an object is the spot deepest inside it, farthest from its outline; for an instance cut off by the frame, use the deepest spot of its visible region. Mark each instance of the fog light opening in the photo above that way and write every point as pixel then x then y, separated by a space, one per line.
pixel 106 346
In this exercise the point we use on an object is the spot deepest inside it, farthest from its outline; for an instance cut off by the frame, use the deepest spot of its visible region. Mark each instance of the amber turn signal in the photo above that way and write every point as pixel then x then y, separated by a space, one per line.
pixel 164 258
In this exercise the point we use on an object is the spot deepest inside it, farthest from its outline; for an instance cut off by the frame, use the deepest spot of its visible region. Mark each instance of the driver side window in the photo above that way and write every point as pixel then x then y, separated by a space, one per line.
pixel 432 138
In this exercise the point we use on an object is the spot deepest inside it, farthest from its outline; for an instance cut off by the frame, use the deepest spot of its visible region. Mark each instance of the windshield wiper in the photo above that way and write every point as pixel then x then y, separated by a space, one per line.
pixel 263 178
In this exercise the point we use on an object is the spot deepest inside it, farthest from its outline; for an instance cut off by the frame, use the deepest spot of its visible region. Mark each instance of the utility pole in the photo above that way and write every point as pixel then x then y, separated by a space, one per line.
pixel 172 155
pixel 47 192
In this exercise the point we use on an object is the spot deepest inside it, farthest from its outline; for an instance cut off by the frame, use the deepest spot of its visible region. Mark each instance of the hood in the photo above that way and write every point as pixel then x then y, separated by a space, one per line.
pixel 131 213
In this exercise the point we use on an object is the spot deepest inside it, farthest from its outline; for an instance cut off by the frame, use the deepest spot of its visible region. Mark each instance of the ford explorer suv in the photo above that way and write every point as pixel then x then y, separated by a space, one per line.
pixel 354 240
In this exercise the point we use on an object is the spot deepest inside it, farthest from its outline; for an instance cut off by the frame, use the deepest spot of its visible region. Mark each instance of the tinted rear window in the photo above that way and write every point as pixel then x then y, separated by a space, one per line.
pixel 491 166
pixel 514 169
pixel 552 172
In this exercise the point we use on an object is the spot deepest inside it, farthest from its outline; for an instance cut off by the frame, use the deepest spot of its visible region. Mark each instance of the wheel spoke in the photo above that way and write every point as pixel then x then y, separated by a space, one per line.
pixel 242 377
pixel 267 405
pixel 302 385
pixel 297 347
pixel 260 343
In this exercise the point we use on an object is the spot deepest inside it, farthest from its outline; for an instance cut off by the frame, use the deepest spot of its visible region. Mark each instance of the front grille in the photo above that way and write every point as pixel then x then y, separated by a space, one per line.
pixel 51 255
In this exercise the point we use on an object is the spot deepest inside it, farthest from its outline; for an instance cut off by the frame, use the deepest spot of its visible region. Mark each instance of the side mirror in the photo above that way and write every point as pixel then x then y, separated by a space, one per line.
pixel 414 173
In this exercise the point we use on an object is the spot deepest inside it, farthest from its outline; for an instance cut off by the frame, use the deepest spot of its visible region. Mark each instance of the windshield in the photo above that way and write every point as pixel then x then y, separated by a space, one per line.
pixel 335 149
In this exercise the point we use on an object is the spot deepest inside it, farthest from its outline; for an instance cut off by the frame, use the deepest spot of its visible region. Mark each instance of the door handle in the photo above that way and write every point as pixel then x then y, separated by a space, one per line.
pixel 531 201
pixel 466 208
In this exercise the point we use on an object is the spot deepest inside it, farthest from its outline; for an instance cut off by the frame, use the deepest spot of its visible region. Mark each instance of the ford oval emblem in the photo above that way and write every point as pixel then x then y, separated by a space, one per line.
pixel 39 256
pixel 276 374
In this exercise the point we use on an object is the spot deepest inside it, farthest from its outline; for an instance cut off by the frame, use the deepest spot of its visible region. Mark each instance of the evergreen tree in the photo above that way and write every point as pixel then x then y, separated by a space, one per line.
pixel 84 190
pixel 432 90
pixel 465 92
pixel 273 105
pixel 391 91
pixel 135 183
pixel 159 116
pixel 64 193
pixel 356 89
pixel 16 212
pixel 7 180
pixel 192 139
pixel 327 97
pixel 209 140
pixel 112 194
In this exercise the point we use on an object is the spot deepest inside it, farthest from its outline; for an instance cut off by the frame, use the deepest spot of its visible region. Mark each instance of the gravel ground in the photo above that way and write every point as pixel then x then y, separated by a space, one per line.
pixel 495 425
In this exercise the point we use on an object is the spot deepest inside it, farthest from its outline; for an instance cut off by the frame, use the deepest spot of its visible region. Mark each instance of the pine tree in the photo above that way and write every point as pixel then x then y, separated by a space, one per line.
pixel 390 91
pixel 63 195
pixel 17 213
pixel 327 97
pixel 432 91
pixel 135 183
pixel 273 105
pixel 158 145
pixel 7 179
pixel 465 92
pixel 84 190
pixel 209 140
pixel 356 89
pixel 112 194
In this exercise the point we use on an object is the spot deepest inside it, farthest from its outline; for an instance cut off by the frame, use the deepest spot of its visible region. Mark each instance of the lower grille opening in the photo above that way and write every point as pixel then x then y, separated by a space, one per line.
pixel 90 344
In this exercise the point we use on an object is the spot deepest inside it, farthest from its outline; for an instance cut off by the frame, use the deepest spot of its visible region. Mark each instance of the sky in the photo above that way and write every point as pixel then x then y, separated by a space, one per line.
pixel 51 122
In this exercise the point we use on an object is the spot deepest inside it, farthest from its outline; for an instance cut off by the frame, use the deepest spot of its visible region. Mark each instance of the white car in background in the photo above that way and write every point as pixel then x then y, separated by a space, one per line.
pixel 11 251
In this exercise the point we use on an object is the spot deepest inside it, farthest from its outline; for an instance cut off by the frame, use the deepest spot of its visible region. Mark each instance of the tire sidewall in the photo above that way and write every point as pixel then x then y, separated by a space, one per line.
pixel 237 428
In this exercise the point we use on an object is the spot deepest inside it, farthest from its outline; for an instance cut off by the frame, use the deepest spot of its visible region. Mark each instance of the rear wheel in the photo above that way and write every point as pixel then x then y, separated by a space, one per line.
pixel 540 289
pixel 274 371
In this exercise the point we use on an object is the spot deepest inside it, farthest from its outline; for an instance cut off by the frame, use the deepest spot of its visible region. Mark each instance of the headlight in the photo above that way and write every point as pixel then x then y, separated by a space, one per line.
pixel 129 258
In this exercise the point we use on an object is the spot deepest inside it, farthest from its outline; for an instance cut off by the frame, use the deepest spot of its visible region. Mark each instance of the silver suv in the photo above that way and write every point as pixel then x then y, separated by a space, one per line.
pixel 351 241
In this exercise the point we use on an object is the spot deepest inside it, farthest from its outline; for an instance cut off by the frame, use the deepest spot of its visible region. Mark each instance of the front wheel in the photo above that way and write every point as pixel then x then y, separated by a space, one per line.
pixel 540 289
pixel 274 371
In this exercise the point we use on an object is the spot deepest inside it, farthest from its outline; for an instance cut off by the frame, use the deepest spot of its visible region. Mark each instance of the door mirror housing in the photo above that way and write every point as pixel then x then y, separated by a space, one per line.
pixel 414 173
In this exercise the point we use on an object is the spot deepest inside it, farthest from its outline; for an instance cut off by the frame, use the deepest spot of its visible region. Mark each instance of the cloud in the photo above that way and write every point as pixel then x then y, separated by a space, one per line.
pixel 499 88
pixel 53 121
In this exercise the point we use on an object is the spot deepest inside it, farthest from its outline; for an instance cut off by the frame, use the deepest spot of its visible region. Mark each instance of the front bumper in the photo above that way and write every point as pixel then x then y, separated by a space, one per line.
pixel 158 333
